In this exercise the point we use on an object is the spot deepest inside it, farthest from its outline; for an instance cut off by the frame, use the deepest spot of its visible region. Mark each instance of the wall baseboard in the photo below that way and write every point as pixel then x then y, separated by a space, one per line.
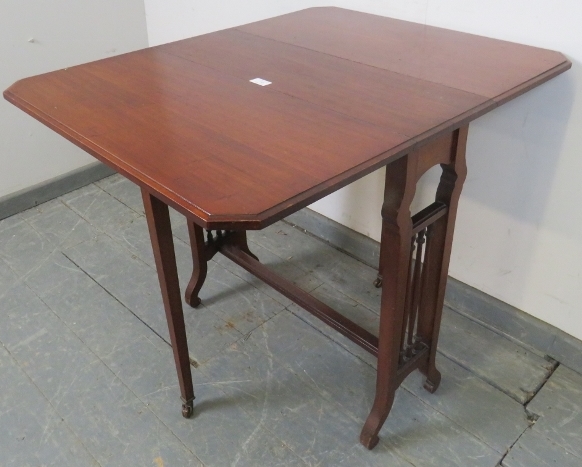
pixel 464 299
pixel 30 197
pixel 484 309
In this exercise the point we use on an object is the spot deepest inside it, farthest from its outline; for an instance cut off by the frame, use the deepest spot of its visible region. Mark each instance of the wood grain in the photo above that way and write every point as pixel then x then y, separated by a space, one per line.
pixel 476 64
pixel 350 92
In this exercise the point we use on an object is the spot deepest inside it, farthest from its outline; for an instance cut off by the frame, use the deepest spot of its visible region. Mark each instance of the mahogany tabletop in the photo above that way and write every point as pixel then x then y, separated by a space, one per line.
pixel 349 93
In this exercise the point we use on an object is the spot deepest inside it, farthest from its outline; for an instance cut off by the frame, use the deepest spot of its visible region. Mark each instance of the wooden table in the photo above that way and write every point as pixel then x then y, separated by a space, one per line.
pixel 349 93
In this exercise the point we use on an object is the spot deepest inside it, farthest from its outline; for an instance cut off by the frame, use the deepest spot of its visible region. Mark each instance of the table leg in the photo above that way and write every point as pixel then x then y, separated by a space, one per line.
pixel 413 285
pixel 158 219
pixel 239 238
pixel 437 256
pixel 396 244
pixel 381 260
pixel 199 262
pixel 203 251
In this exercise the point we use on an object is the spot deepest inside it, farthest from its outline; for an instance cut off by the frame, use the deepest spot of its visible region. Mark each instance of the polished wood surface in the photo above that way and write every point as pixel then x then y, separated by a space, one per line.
pixel 350 92
pixel 475 64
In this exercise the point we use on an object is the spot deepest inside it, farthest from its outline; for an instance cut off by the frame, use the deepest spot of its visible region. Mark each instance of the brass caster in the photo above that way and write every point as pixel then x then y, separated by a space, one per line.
pixel 378 282
pixel 188 409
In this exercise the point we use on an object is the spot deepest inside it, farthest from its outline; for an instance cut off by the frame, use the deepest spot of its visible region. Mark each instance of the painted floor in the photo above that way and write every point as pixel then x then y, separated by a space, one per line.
pixel 87 375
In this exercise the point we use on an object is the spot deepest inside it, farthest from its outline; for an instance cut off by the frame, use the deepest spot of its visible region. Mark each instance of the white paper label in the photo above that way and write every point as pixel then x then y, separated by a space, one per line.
pixel 260 81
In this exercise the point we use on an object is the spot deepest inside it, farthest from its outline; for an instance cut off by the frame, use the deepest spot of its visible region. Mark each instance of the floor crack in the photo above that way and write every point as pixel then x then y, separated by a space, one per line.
pixel 531 417
pixel 117 300
pixel 552 370
pixel 508 450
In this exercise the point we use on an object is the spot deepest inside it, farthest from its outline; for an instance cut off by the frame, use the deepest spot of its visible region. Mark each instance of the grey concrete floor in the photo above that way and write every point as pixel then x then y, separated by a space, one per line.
pixel 87 375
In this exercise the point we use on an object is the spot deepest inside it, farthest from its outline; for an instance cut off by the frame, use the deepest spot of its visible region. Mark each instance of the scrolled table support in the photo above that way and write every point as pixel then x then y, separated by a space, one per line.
pixel 413 279
pixel 438 253
pixel 396 234
pixel 199 264
pixel 204 251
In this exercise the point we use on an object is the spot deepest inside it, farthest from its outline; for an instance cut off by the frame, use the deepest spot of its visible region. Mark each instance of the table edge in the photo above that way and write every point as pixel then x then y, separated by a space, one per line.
pixel 287 207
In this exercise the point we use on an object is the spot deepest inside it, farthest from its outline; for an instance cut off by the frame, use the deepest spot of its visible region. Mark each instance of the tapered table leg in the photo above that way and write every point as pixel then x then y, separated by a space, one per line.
pixel 158 219
pixel 396 235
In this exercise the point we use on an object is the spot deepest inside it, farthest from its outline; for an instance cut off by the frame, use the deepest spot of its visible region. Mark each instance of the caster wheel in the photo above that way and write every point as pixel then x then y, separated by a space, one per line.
pixel 378 282
pixel 188 409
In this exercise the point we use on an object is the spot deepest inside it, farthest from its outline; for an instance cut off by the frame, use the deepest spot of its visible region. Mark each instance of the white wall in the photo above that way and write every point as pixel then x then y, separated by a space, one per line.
pixel 170 20
pixel 36 37
pixel 519 228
